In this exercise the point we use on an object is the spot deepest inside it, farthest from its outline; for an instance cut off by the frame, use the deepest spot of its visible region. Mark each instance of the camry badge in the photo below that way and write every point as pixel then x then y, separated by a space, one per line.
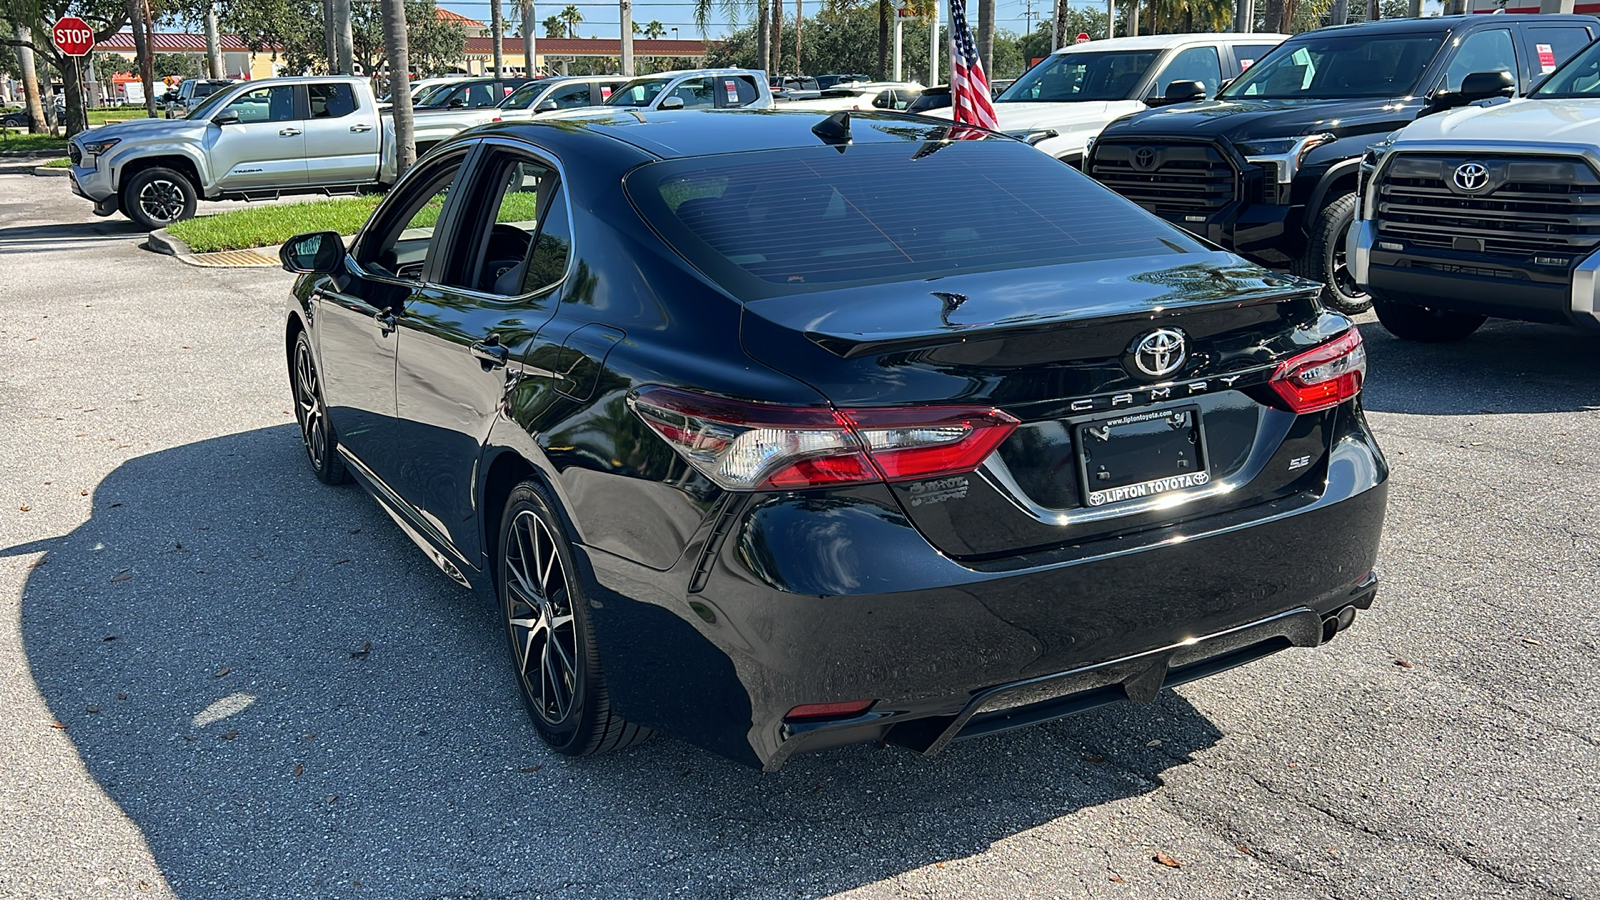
pixel 1472 176
pixel 1161 352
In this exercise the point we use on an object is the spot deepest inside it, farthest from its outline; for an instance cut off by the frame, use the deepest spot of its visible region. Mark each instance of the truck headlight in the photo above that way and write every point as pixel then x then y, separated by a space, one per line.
pixel 1282 154
pixel 95 148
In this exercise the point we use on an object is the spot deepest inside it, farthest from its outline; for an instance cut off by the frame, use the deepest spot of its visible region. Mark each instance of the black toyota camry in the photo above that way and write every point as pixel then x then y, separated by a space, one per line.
pixel 775 432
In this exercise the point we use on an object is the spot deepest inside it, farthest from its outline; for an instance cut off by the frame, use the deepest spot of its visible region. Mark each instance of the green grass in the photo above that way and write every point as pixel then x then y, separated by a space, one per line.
pixel 62 163
pixel 115 114
pixel 263 226
pixel 20 143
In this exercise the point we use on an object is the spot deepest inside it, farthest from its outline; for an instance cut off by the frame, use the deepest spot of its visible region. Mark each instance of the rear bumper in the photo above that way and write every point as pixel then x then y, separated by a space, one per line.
pixel 1458 282
pixel 1264 233
pixel 789 599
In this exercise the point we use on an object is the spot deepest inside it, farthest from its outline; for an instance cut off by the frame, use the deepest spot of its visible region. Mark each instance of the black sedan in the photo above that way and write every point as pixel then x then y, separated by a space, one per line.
pixel 776 432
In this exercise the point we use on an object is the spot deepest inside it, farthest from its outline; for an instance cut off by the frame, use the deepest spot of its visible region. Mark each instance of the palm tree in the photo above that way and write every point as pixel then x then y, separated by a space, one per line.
pixel 651 31
pixel 554 27
pixel 570 17
pixel 497 30
pixel 529 48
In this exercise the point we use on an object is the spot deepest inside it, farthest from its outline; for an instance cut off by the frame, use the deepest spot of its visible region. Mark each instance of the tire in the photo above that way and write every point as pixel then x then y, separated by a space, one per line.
pixel 156 197
pixel 316 431
pixel 1429 326
pixel 1325 261
pixel 548 630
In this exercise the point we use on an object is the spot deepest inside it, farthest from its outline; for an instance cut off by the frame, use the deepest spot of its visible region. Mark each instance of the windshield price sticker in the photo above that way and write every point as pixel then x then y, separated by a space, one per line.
pixel 1547 58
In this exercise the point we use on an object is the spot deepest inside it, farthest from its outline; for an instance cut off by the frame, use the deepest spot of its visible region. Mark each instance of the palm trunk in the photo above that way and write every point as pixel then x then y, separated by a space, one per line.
pixel 141 53
pixel 497 31
pixel 528 39
pixel 30 84
pixel 625 17
pixel 344 37
pixel 799 13
pixel 763 34
pixel 399 53
pixel 777 37
pixel 214 44
pixel 77 117
pixel 1133 18
pixel 883 40
pixel 986 36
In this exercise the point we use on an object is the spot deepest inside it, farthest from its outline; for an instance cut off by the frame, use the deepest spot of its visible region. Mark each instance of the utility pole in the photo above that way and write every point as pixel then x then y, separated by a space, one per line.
pixel 1111 18
pixel 1414 9
pixel 214 44
pixel 1133 18
pixel 497 31
pixel 1027 19
pixel 1245 16
pixel 625 10
pixel 399 54
pixel 898 22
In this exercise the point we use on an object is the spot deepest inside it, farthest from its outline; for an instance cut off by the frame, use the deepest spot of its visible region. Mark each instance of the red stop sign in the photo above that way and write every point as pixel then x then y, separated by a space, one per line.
pixel 1083 38
pixel 72 36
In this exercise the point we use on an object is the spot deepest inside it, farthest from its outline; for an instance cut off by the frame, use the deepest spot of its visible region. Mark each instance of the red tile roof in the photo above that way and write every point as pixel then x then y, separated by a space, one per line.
pixel 482 46
pixel 450 18
pixel 173 42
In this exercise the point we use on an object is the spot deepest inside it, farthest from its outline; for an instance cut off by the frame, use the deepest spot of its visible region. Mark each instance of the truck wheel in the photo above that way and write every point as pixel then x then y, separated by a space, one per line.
pixel 1420 323
pixel 156 197
pixel 1325 261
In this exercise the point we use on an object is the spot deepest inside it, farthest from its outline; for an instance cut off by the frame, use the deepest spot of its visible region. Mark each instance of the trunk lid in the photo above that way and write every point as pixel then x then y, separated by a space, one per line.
pixel 1055 346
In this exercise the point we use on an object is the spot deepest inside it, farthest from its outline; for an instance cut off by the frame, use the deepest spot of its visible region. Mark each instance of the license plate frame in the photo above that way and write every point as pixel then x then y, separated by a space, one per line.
pixel 1133 442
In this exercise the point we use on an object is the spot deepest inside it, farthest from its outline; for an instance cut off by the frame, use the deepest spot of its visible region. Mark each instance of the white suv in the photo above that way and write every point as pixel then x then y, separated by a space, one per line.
pixel 1062 102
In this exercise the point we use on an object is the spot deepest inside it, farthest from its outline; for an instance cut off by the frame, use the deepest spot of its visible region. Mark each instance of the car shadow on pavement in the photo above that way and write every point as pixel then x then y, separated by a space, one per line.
pixel 1505 367
pixel 289 700
pixel 46 238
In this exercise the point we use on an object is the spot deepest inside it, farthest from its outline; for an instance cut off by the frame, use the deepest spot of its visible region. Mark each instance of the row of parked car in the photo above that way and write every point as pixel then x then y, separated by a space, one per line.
pixel 1252 141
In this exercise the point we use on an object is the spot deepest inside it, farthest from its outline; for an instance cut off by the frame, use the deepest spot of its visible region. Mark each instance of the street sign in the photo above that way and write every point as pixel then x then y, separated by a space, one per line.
pixel 1083 38
pixel 72 36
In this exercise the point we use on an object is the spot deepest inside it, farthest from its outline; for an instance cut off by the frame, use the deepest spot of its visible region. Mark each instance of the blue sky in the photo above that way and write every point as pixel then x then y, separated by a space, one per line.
pixel 600 17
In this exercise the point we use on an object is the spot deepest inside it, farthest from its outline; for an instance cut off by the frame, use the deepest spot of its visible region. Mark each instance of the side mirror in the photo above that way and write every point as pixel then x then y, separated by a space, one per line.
pixel 1476 86
pixel 320 253
pixel 672 103
pixel 547 106
pixel 226 117
pixel 1182 92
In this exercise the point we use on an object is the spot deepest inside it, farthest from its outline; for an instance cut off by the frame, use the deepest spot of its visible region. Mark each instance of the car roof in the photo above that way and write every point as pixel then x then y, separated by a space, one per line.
pixel 1163 41
pixel 1450 23
pixel 706 132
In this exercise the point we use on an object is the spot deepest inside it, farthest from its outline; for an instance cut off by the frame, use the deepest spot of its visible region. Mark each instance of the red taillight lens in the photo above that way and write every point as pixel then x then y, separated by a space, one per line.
pixel 1324 377
pixel 746 446
pixel 847 710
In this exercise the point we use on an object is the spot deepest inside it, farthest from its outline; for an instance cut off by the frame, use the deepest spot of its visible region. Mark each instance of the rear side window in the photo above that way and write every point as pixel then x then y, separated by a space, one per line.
pixel 789 221
pixel 1555 45
pixel 1247 54
pixel 331 101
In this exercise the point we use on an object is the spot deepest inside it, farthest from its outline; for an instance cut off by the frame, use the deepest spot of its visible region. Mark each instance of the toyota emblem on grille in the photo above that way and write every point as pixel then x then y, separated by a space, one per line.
pixel 1472 176
pixel 1144 158
pixel 1161 352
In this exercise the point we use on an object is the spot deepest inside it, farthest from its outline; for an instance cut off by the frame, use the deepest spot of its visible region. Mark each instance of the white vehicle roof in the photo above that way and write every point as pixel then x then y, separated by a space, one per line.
pixel 867 87
pixel 1163 41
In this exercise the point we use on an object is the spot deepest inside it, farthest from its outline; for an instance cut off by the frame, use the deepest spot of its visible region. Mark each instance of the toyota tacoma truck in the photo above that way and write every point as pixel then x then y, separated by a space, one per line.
pixel 1269 168
pixel 1064 101
pixel 1488 210
pixel 252 141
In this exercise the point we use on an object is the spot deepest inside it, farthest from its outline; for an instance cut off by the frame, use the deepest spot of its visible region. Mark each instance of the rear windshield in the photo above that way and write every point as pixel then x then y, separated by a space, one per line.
pixel 1339 67
pixel 790 221
pixel 1108 75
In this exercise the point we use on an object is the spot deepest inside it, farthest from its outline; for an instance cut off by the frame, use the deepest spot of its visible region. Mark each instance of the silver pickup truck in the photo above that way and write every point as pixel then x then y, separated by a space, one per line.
pixel 255 140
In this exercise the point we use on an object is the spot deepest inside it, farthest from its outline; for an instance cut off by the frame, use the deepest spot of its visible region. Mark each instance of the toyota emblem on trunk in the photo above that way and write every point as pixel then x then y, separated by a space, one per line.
pixel 1161 352
pixel 1472 176
pixel 1144 158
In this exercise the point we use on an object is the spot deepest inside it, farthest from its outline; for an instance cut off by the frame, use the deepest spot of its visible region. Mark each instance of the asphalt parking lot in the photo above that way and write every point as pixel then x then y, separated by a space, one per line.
pixel 221 679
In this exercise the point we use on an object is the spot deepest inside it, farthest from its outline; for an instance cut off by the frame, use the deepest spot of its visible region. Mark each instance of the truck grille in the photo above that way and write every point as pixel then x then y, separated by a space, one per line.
pixel 74 153
pixel 1170 178
pixel 1530 205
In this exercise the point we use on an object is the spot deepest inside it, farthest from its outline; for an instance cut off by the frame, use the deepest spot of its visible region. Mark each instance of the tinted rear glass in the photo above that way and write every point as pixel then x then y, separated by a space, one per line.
pixel 790 221
pixel 1580 77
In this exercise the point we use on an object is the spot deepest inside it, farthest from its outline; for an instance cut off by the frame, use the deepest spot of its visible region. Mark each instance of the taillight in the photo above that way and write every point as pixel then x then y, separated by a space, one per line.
pixel 1325 376
pixel 747 446
pixel 847 710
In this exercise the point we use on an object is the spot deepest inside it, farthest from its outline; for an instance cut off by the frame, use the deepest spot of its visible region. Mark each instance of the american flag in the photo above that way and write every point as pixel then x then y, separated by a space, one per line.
pixel 969 89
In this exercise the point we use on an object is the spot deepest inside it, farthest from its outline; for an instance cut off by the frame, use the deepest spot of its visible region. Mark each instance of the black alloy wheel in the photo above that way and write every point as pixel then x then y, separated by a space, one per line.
pixel 547 627
pixel 1326 261
pixel 316 432
pixel 157 197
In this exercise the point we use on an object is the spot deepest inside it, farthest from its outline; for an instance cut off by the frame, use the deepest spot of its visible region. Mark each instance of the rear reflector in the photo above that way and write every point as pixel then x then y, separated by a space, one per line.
pixel 811 711
pixel 747 446
pixel 1322 377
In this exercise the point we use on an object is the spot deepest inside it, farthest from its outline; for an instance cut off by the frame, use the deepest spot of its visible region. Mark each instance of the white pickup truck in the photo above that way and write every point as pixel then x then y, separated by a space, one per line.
pixel 1060 104
pixel 255 140
pixel 531 99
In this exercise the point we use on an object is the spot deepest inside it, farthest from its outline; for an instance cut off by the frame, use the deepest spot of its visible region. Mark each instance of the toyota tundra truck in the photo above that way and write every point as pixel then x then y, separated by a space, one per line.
pixel 1488 210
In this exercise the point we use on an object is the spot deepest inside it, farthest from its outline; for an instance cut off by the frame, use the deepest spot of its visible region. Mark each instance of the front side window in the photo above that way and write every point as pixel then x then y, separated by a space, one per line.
pixel 1482 51
pixel 638 92
pixel 1200 64
pixel 515 259
pixel 331 101
pixel 780 222
pixel 402 232
pixel 267 104
pixel 1337 67
pixel 1066 77
pixel 695 93
pixel 523 97
pixel 575 96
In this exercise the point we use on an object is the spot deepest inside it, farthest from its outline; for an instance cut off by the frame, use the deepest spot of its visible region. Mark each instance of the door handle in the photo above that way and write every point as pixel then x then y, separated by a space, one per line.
pixel 491 353
pixel 385 320
pixel 360 127
pixel 288 132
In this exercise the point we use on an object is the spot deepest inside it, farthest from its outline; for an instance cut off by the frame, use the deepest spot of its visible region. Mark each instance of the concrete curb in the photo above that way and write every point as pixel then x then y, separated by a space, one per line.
pixel 47 172
pixel 165 244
